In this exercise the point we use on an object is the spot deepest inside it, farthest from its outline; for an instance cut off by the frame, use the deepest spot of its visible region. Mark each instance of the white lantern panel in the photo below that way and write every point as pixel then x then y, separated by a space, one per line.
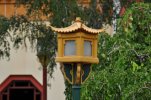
pixel 70 48
pixel 87 48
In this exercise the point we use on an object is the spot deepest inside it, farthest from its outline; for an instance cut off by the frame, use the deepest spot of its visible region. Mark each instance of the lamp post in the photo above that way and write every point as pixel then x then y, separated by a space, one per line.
pixel 77 50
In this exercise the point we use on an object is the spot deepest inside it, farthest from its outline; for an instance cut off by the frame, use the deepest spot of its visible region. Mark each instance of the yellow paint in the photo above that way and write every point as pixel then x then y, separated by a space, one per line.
pixel 8 9
pixel 79 36
pixel 78 74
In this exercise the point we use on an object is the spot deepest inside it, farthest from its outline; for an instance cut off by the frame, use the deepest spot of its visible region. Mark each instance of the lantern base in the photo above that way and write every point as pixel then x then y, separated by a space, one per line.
pixel 75 59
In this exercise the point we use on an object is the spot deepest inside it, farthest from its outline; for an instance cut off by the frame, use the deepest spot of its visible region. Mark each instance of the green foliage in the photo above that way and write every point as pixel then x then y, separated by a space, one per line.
pixel 68 91
pixel 20 31
pixel 46 46
pixel 4 36
pixel 41 38
pixel 123 72
pixel 62 12
pixel 128 3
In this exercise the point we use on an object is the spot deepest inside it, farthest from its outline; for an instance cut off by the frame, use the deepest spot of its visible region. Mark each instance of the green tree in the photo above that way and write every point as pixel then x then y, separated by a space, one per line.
pixel 123 72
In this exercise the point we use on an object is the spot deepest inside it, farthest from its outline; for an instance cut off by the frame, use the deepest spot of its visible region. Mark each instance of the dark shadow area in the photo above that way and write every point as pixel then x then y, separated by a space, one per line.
pixel 21 94
pixel 4 97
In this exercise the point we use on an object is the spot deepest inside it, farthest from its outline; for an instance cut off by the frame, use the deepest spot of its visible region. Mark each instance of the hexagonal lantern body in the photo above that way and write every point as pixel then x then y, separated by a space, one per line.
pixel 77 43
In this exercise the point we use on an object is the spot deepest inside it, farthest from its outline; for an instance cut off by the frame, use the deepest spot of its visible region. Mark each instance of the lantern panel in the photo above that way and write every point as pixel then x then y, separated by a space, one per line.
pixel 70 48
pixel 87 48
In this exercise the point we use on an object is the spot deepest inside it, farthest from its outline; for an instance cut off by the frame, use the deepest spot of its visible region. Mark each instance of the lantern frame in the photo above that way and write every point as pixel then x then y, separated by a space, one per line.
pixel 80 33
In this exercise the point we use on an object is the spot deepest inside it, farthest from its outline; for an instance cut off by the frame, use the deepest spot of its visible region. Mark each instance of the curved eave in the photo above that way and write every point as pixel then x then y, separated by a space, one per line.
pixel 76 26
pixel 90 30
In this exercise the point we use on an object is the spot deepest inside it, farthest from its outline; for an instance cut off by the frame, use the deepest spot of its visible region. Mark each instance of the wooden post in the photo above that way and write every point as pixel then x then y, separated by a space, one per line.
pixel 44 82
pixel 0 96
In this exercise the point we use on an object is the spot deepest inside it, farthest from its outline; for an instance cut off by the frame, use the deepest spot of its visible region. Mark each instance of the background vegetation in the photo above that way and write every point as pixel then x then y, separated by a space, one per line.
pixel 124 72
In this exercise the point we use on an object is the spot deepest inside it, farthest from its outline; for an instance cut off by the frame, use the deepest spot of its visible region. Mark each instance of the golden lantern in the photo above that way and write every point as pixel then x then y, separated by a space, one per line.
pixel 77 43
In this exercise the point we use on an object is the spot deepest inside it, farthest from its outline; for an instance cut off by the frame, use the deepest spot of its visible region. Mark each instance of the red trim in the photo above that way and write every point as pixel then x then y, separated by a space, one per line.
pixel 21 78
pixel 122 11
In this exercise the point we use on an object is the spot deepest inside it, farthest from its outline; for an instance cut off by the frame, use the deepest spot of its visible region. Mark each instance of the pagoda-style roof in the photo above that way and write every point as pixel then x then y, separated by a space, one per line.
pixel 77 25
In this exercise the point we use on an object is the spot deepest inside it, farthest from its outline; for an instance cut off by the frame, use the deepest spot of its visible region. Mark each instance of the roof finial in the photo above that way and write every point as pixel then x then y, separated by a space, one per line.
pixel 78 19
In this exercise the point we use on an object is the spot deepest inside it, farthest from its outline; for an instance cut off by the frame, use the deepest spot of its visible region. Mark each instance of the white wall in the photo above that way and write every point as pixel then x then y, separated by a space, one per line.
pixel 25 62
